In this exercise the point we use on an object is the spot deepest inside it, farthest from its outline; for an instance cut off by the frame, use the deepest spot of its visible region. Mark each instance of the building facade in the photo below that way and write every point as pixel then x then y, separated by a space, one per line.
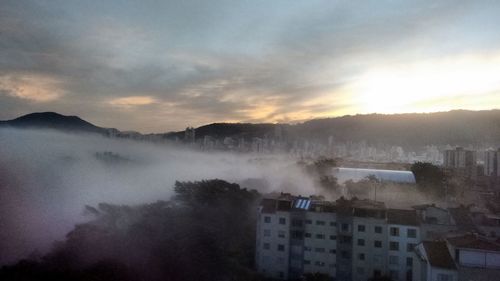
pixel 346 239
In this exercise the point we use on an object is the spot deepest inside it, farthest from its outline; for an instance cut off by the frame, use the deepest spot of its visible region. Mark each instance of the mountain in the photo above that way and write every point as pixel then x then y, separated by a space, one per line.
pixel 52 120
pixel 457 127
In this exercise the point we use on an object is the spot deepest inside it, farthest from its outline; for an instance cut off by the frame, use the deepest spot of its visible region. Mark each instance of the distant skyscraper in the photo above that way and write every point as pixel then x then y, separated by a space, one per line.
pixel 461 161
pixel 491 167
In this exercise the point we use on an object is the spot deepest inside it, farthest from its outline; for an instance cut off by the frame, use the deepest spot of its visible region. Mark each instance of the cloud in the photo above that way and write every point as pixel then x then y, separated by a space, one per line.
pixel 226 61
pixel 128 102
pixel 36 88
pixel 47 178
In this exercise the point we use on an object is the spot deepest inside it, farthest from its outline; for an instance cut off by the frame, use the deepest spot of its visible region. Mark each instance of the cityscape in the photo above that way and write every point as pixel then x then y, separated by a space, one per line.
pixel 307 140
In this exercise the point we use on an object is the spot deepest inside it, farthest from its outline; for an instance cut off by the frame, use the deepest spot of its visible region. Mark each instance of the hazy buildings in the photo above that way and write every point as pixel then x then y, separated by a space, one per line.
pixel 491 165
pixel 461 161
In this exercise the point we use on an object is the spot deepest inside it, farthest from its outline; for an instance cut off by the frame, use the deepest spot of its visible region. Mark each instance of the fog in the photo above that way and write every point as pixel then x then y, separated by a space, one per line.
pixel 47 177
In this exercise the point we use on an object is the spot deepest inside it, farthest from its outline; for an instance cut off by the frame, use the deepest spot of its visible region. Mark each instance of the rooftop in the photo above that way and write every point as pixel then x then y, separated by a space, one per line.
pixel 473 242
pixel 357 174
pixel 402 217
pixel 438 254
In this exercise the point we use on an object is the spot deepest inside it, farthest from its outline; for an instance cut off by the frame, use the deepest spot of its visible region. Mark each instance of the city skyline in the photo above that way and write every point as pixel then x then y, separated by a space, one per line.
pixel 158 67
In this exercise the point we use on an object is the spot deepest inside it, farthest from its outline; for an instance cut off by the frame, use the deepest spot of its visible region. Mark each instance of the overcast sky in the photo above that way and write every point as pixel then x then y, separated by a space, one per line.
pixel 156 66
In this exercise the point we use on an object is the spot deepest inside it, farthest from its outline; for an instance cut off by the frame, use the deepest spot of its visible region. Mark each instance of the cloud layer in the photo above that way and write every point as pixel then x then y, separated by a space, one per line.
pixel 158 66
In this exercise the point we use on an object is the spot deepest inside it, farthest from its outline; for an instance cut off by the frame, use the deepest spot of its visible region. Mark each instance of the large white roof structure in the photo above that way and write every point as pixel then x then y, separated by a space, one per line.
pixel 357 174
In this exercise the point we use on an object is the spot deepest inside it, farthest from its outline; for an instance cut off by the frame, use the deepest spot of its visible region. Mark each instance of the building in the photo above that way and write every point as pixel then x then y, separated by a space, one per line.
pixel 460 161
pixel 434 262
pixel 435 222
pixel 346 239
pixel 460 258
pixel 491 167
pixel 403 227
pixel 357 174
pixel 477 258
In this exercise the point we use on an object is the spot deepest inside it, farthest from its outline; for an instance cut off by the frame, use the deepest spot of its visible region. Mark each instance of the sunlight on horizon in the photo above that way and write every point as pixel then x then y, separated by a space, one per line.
pixel 467 82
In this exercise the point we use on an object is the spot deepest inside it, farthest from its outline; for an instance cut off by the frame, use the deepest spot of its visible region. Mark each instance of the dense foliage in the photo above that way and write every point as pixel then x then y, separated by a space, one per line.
pixel 430 178
pixel 206 232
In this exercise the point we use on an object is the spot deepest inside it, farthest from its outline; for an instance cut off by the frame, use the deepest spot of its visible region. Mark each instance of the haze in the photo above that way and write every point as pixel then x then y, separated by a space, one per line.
pixel 47 178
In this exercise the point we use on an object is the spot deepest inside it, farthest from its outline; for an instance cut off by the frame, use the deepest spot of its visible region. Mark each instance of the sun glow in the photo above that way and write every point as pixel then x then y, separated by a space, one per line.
pixel 429 86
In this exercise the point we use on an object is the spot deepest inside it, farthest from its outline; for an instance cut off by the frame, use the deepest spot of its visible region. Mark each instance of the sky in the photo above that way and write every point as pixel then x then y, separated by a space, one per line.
pixel 157 66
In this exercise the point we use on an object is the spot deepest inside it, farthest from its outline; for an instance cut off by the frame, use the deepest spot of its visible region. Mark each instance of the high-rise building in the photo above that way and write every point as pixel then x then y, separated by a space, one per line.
pixel 461 161
pixel 491 163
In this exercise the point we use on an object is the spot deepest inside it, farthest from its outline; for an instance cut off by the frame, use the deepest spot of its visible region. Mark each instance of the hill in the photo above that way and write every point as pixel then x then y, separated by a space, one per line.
pixel 52 120
pixel 458 127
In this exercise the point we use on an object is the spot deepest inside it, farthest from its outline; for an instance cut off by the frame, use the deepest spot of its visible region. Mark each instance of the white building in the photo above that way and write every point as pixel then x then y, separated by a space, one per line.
pixel 345 239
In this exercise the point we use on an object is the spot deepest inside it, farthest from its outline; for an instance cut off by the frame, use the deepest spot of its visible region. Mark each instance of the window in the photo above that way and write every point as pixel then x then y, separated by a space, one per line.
pixel 281 274
pixel 344 254
pixel 360 270
pixel 394 231
pixel 378 229
pixel 280 260
pixel 333 251
pixel 377 273
pixel 266 246
pixel 307 249
pixel 320 222
pixel 332 223
pixel 411 233
pixel 319 263
pixel 409 262
pixel 267 232
pixel 281 247
pixel 281 234
pixel 267 219
pixel 333 237
pixel 309 222
pixel 394 274
pixel 307 262
pixel 409 275
pixel 320 236
pixel 319 250
pixel 296 234
pixel 307 235
pixel 282 220
pixel 361 256
pixel 296 222
pixel 345 239
pixel 377 244
pixel 393 260
pixel 410 247
pixel 444 277
pixel 345 227
pixel 394 246
pixel 361 228
pixel 361 242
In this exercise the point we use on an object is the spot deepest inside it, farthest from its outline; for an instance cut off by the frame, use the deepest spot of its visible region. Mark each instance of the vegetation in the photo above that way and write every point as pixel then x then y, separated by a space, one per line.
pixel 206 232
pixel 430 179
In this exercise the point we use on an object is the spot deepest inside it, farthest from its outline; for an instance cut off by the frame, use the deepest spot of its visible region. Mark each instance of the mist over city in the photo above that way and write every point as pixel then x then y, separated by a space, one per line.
pixel 249 140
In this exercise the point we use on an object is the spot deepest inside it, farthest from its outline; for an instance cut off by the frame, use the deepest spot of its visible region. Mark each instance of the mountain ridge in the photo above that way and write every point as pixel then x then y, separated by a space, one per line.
pixel 456 127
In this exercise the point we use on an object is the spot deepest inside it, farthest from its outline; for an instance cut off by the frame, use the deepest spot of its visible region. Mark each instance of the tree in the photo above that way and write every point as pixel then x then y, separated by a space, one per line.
pixel 430 178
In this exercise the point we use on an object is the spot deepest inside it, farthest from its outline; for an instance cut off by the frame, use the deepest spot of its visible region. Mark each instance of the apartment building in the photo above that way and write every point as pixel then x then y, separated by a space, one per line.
pixel 460 161
pixel 346 239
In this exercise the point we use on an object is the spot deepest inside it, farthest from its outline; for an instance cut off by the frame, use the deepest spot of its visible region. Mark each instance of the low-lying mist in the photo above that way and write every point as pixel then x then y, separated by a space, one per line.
pixel 47 178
